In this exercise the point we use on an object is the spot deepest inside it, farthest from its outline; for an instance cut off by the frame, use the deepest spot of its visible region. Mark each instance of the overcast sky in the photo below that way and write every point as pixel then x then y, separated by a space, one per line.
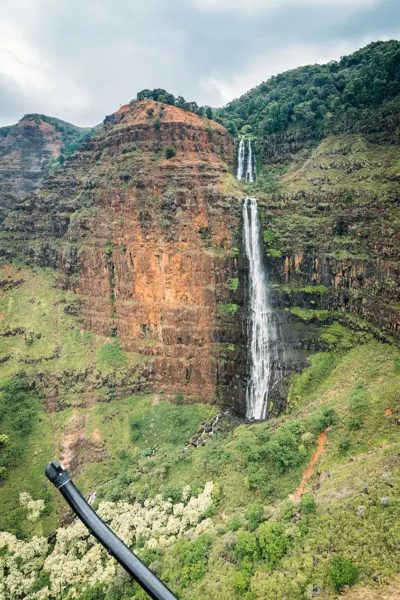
pixel 81 59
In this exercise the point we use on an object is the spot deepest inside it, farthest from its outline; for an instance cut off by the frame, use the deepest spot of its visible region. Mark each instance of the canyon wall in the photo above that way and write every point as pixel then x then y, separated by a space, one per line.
pixel 143 231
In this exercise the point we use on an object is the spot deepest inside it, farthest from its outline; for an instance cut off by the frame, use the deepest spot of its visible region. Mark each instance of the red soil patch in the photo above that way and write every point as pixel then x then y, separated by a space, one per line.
pixel 388 412
pixel 96 435
pixel 310 468
pixel 1 316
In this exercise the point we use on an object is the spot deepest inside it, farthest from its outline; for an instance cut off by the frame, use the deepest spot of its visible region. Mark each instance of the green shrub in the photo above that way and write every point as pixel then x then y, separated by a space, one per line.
pixel 254 515
pixel 241 582
pixel 111 354
pixel 247 546
pixel 211 511
pixel 93 593
pixel 322 419
pixel 273 543
pixel 344 443
pixel 269 236
pixel 228 308
pixel 286 510
pixel 4 439
pixel 274 253
pixel 170 152
pixel 150 112
pixel 307 504
pixel 180 398
pixel 193 557
pixel 342 572
pixel 234 524
pixel 175 493
pixel 359 400
pixel 283 449
pixel 233 284
pixel 354 423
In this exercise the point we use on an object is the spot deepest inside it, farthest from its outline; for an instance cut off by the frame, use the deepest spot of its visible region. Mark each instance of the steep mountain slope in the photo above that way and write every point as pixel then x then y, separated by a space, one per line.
pixel 296 109
pixel 29 150
pixel 127 287
pixel 133 251
pixel 326 138
pixel 142 230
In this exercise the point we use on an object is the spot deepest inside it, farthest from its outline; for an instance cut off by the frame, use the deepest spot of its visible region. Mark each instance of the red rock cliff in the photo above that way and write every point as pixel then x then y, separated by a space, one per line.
pixel 147 241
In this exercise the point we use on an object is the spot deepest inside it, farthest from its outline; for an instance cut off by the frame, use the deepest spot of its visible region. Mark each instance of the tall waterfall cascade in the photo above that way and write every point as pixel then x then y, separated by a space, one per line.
pixel 262 325
pixel 246 168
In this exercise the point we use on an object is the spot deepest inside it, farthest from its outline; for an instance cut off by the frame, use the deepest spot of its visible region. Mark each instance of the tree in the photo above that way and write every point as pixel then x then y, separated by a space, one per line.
pixel 343 572
pixel 170 152
pixel 273 543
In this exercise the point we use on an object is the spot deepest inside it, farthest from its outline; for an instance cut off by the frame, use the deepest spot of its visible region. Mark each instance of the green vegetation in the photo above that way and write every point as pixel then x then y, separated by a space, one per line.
pixel 228 309
pixel 49 366
pixel 343 572
pixel 319 99
pixel 111 354
pixel 303 505
pixel 160 95
pixel 170 152
pixel 72 137
pixel 253 531
pixel 233 284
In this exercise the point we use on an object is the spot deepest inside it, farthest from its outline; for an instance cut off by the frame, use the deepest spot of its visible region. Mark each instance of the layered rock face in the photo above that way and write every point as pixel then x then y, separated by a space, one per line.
pixel 141 229
pixel 332 233
pixel 26 151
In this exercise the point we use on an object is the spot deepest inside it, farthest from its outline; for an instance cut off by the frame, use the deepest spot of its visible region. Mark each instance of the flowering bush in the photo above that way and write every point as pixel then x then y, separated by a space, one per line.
pixel 78 559
pixel 34 507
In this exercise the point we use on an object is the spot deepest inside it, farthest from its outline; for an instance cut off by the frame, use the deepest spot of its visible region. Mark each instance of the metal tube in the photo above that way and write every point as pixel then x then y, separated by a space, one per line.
pixel 59 476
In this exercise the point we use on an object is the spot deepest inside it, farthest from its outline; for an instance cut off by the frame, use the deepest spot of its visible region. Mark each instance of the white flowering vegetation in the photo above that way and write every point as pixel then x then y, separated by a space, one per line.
pixel 77 558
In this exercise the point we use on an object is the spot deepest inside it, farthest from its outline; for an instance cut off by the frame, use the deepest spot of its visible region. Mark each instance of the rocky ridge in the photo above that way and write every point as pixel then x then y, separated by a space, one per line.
pixel 140 226
pixel 27 151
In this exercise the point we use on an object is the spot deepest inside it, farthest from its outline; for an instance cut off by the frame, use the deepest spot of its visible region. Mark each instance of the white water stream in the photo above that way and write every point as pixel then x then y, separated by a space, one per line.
pixel 262 331
pixel 241 158
pixel 250 170
pixel 246 168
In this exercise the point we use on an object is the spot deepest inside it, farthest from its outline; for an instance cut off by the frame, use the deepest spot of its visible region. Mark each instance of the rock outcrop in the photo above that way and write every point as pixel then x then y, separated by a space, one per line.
pixel 27 150
pixel 139 225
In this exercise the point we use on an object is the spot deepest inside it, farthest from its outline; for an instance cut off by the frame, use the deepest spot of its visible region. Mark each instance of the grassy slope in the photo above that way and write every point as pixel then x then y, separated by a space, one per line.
pixel 340 484
pixel 359 467
pixel 250 463
pixel 47 343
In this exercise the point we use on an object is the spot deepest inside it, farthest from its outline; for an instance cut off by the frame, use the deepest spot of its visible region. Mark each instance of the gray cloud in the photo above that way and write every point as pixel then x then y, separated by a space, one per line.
pixel 79 60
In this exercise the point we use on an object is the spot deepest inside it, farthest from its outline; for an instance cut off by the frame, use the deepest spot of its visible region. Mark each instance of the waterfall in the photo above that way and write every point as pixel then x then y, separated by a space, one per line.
pixel 246 168
pixel 241 153
pixel 262 325
pixel 250 168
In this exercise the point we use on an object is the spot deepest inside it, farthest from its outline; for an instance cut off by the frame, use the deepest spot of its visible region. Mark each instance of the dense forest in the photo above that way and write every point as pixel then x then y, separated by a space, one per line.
pixel 357 93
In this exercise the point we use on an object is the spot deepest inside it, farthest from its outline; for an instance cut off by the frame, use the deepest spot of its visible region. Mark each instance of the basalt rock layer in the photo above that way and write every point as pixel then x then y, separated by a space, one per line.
pixel 139 225
pixel 332 232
